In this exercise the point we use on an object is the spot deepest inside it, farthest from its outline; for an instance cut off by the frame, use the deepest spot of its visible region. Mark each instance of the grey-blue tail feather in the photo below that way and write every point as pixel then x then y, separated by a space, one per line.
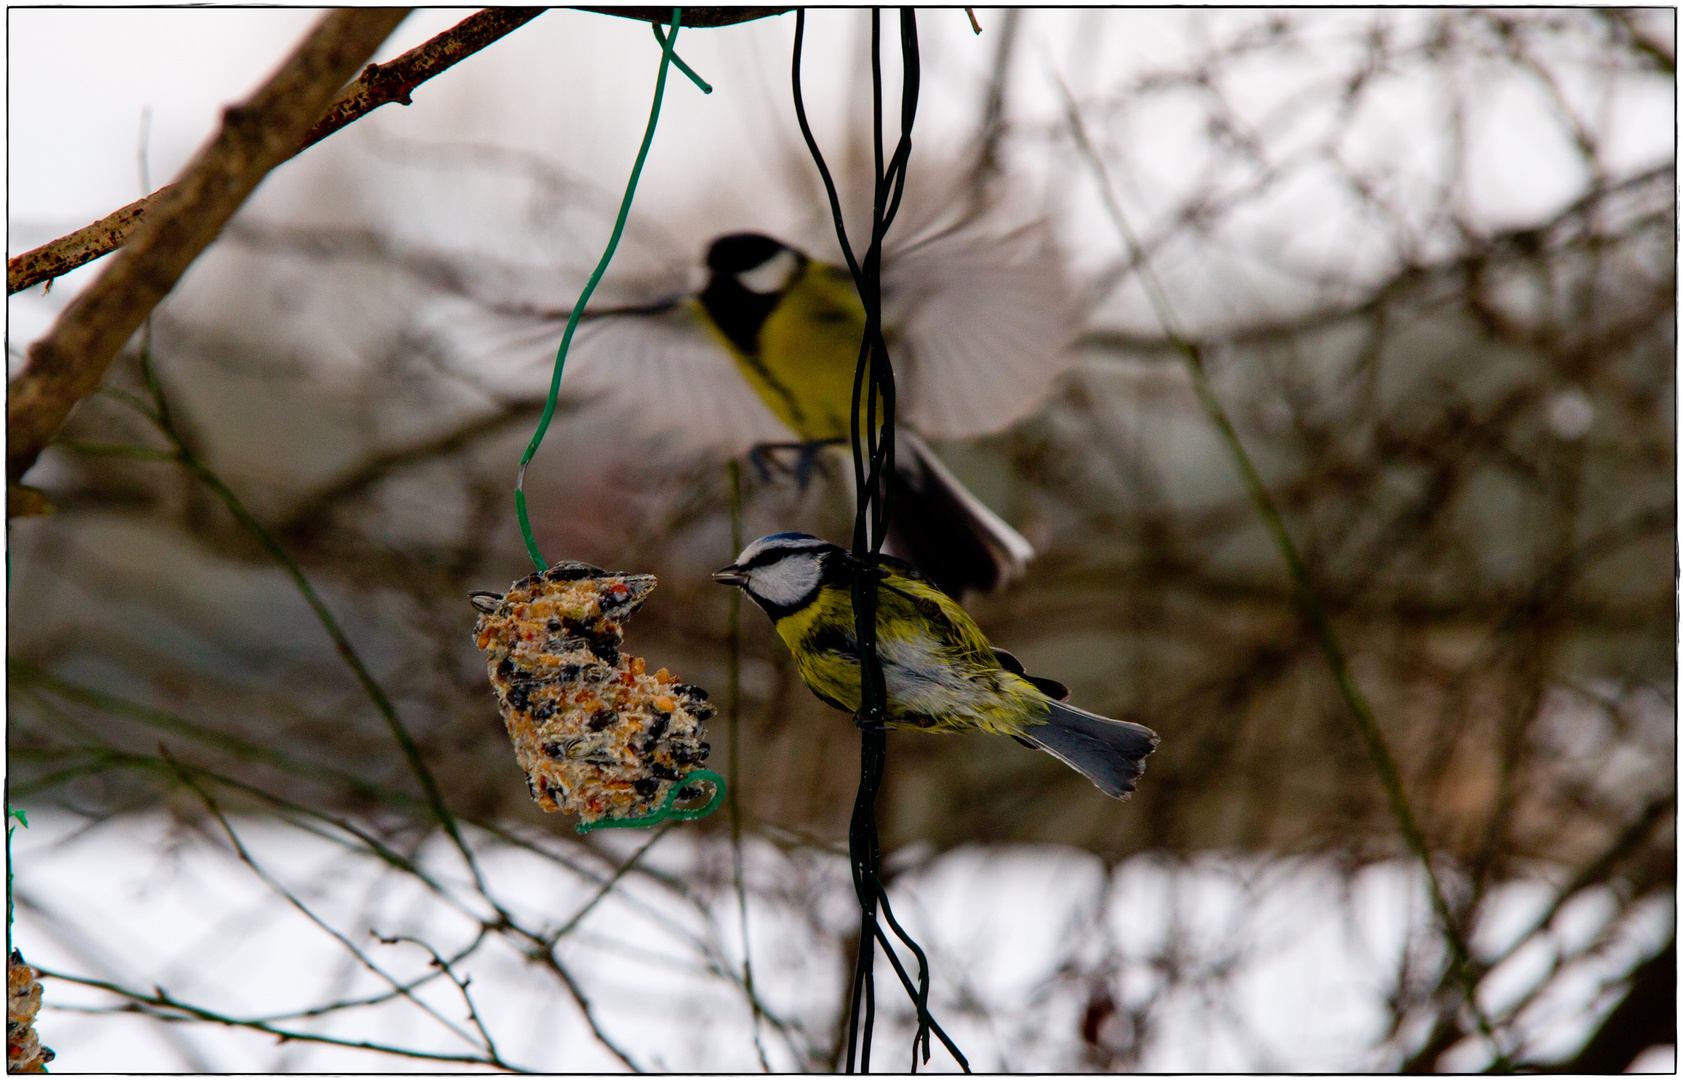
pixel 1110 753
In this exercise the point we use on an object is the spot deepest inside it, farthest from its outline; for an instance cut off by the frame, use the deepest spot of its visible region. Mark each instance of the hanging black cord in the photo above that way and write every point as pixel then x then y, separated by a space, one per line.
pixel 873 464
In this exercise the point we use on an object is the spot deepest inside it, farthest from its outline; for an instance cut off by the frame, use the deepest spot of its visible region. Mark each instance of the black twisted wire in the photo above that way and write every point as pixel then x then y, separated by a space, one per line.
pixel 873 382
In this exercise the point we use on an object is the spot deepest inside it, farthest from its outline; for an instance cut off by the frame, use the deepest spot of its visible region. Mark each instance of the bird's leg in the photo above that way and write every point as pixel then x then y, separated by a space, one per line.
pixel 857 564
pixel 808 457
pixel 760 457
pixel 763 457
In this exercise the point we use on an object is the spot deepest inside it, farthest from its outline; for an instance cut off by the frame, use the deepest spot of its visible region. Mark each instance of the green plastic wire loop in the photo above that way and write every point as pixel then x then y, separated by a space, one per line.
pixel 10 813
pixel 667 810
pixel 667 44
pixel 706 88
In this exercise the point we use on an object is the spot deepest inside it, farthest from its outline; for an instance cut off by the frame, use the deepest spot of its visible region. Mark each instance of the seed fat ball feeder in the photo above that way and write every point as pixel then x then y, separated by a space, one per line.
pixel 597 734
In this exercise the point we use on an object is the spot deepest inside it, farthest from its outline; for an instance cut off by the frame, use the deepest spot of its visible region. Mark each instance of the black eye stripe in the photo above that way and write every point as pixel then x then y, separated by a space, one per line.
pixel 767 556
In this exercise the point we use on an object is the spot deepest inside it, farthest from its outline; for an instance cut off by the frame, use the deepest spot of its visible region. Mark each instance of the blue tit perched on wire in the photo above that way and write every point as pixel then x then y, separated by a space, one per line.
pixel 978 318
pixel 939 670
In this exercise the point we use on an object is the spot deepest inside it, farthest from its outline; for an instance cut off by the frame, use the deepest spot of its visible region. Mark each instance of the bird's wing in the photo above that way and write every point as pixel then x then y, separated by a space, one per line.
pixel 658 368
pixel 940 612
pixel 982 323
pixel 670 377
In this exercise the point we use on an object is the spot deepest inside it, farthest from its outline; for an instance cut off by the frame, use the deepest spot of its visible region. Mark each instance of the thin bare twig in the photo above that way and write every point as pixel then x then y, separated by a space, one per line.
pixel 162 1001
pixel 461 983
pixel 550 961
pixel 607 887
pixel 58 257
pixel 245 856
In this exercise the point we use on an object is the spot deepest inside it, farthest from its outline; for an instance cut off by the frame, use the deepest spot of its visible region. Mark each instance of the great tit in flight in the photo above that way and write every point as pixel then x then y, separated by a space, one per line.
pixel 978 321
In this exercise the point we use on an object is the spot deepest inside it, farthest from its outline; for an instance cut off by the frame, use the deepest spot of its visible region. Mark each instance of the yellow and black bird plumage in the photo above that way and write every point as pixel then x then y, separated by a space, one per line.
pixel 940 672
pixel 794 328
pixel 978 319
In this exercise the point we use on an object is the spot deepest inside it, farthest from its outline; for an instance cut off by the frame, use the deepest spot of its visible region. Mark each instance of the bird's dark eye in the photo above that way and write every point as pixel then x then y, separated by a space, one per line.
pixel 829 316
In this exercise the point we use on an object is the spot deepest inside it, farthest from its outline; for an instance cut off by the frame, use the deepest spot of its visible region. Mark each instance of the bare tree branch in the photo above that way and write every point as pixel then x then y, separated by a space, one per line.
pixel 83 246
pixel 256 136
pixel 379 84
pixel 382 84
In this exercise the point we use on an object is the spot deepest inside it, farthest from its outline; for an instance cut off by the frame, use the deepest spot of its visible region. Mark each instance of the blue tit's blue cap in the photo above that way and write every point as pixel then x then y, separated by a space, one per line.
pixel 776 545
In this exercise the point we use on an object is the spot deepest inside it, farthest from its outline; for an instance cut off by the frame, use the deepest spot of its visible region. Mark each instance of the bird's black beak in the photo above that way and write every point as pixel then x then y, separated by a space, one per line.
pixel 730 575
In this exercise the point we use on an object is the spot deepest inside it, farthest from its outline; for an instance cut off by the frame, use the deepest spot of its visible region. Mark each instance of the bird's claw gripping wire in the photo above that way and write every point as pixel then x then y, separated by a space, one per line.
pixel 858 564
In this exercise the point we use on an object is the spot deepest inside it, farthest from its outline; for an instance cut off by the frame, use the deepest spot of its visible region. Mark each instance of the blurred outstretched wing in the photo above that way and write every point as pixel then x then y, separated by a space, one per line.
pixel 982 323
pixel 656 369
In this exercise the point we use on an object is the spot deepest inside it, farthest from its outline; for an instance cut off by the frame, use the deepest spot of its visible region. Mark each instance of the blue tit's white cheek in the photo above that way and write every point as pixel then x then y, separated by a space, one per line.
pixel 787 582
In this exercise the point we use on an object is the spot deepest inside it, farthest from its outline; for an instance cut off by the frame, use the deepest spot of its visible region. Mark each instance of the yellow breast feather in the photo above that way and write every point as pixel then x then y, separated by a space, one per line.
pixel 808 349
